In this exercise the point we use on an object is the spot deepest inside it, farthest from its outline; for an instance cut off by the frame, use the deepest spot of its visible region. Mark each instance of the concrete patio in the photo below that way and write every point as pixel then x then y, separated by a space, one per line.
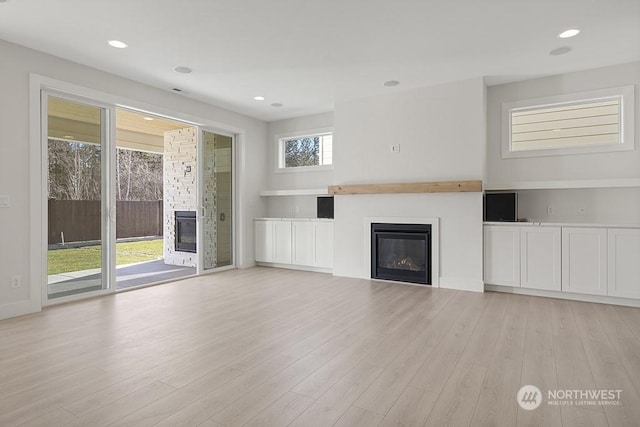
pixel 127 276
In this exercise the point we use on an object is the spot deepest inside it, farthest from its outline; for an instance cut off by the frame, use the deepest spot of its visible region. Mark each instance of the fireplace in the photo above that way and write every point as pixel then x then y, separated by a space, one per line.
pixel 185 231
pixel 401 252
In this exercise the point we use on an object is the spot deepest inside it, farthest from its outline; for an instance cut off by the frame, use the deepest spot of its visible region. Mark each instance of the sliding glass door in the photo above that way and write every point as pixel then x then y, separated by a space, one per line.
pixel 170 184
pixel 77 196
pixel 215 190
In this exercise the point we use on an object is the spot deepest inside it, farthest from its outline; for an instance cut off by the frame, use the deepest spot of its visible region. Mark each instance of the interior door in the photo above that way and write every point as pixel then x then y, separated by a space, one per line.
pixel 77 191
pixel 216 182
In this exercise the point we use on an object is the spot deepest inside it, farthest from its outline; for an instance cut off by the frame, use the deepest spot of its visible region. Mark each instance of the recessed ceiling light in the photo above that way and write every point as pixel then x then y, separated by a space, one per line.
pixel 66 136
pixel 560 51
pixel 569 33
pixel 276 104
pixel 259 98
pixel 117 44
pixel 183 70
pixel 391 83
pixel 149 119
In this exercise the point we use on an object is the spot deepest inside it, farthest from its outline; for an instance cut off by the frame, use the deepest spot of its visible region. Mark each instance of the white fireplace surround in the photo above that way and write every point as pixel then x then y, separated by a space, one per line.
pixel 435 241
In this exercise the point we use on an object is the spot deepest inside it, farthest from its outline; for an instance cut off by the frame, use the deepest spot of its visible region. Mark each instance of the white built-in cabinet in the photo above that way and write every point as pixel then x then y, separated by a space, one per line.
pixel 263 239
pixel 593 260
pixel 584 260
pixel 273 241
pixel 282 252
pixel 294 242
pixel 540 264
pixel 624 262
pixel 502 255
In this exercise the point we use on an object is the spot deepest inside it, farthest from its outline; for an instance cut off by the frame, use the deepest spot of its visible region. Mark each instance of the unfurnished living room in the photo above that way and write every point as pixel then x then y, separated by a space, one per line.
pixel 319 213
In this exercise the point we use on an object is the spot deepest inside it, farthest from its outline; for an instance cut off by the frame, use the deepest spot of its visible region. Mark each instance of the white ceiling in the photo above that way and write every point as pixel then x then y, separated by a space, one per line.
pixel 309 54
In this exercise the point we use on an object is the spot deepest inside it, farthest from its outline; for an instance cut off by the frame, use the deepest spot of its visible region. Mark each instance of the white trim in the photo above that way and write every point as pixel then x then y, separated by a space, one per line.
pixel 294 267
pixel 37 220
pixel 296 169
pixel 14 309
pixel 581 183
pixel 602 299
pixel 303 192
pixel 462 284
pixel 78 297
pixel 626 94
pixel 435 241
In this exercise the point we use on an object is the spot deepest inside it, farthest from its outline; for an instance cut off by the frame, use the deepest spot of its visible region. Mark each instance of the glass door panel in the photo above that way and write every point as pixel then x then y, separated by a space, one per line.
pixel 75 153
pixel 216 199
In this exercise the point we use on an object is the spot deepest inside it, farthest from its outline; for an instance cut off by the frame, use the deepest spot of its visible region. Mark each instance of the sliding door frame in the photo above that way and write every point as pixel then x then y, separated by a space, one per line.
pixel 38 184
pixel 200 194
pixel 107 190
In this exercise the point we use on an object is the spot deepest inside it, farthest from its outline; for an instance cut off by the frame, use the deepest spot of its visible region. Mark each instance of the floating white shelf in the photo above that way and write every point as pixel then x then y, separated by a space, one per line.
pixel 542 185
pixel 303 192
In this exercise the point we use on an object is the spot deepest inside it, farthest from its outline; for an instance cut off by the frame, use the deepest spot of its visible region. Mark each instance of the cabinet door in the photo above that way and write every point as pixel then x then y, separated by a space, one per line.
pixel 502 255
pixel 282 242
pixel 324 244
pixel 540 258
pixel 302 242
pixel 263 240
pixel 624 262
pixel 584 260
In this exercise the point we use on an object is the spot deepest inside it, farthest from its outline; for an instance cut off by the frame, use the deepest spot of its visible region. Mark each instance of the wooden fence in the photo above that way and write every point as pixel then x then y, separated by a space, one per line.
pixel 79 220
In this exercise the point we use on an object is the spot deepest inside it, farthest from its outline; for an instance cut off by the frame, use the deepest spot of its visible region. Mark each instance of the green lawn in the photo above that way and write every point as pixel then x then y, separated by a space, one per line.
pixel 85 258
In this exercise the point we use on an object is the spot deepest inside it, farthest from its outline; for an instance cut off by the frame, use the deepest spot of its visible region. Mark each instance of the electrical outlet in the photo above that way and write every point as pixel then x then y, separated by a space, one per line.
pixel 395 148
pixel 16 281
pixel 5 201
pixel 582 211
pixel 549 210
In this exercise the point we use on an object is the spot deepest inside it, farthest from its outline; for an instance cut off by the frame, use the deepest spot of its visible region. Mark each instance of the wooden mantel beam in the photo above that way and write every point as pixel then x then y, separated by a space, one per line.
pixel 408 187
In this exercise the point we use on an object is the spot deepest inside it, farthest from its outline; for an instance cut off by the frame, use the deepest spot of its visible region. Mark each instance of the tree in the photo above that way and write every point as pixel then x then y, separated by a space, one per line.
pixel 75 172
pixel 302 152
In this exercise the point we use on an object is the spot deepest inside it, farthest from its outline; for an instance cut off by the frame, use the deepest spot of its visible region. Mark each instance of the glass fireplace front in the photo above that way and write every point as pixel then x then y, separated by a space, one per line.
pixel 401 252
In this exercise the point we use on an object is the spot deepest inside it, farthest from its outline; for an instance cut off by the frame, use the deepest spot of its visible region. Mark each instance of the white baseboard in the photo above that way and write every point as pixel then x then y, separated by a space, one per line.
pixel 462 284
pixel 603 299
pixel 248 263
pixel 15 309
pixel 295 267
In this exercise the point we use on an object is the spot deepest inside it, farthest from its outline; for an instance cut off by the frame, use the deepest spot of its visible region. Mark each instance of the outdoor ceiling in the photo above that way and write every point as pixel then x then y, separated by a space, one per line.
pixel 308 55
pixel 78 122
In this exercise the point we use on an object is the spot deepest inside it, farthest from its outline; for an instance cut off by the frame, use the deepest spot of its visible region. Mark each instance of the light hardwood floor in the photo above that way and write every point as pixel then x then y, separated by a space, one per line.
pixel 271 347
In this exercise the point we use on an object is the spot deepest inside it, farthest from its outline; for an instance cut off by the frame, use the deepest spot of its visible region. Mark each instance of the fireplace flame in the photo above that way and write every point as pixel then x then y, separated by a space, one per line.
pixel 406 263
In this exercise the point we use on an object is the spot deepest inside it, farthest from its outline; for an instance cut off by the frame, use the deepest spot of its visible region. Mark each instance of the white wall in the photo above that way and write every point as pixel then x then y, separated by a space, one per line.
pixel 505 173
pixel 292 207
pixel 441 131
pixel 601 205
pixel 298 206
pixel 16 64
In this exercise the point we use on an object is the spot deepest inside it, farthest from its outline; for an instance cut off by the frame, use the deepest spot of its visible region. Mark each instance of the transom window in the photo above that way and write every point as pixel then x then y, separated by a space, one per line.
pixel 588 122
pixel 310 150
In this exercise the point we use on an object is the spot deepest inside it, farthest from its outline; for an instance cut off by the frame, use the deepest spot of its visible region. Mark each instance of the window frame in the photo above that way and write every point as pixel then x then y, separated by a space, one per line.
pixel 280 150
pixel 626 95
